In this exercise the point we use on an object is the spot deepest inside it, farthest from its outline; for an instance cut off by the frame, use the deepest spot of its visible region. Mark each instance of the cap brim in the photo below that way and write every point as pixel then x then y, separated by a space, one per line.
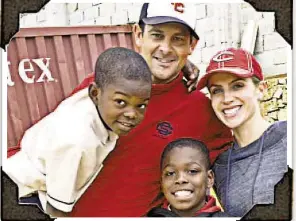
pixel 167 19
pixel 203 82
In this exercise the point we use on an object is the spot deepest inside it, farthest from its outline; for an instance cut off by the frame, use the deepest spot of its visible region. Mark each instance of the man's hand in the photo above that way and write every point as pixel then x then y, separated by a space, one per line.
pixel 191 73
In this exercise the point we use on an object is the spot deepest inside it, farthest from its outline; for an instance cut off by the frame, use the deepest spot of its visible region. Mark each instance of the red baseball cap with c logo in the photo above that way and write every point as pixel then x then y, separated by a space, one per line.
pixel 235 61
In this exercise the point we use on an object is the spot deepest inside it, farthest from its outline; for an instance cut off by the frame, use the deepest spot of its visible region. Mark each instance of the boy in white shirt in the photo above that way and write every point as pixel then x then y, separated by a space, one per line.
pixel 63 153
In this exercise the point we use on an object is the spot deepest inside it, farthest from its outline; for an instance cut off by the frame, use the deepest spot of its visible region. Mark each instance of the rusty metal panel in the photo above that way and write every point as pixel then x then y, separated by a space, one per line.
pixel 46 64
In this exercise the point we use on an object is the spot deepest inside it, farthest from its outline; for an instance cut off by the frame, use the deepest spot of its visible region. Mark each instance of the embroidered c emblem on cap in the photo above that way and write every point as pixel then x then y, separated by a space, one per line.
pixel 219 57
pixel 178 7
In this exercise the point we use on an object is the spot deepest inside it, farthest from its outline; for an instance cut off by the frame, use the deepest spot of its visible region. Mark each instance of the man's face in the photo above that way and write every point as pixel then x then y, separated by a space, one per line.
pixel 165 48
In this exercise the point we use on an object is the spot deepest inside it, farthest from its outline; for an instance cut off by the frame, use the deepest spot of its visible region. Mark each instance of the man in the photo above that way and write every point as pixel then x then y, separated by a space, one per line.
pixel 129 181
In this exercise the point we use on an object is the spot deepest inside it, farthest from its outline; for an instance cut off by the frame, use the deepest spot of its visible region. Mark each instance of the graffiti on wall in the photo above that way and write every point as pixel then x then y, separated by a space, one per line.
pixel 27 71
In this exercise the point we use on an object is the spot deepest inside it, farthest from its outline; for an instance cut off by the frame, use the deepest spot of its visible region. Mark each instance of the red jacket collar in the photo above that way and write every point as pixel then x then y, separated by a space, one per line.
pixel 161 88
pixel 209 207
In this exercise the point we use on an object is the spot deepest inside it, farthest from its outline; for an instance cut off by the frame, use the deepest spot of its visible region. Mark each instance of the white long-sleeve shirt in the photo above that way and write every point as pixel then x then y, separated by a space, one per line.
pixel 62 154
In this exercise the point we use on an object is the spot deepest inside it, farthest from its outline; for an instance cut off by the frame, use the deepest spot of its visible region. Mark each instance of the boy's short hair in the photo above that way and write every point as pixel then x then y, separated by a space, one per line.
pixel 187 142
pixel 118 62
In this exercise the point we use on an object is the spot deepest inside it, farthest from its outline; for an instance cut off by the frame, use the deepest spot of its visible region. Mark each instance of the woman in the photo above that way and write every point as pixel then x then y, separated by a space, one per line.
pixel 245 175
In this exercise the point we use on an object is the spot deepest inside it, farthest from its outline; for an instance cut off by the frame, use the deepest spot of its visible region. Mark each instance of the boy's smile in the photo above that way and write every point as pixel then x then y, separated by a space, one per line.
pixel 123 103
pixel 126 126
pixel 182 194
pixel 185 180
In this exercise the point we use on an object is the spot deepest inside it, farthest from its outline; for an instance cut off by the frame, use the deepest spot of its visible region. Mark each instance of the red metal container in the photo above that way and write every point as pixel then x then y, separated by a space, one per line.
pixel 46 64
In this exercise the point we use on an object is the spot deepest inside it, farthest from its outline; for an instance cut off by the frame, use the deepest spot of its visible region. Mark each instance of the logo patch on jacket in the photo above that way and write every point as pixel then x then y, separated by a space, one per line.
pixel 164 129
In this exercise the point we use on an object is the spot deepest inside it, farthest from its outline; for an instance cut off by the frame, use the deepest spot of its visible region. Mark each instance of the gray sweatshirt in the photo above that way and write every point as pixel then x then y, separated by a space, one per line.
pixel 247 176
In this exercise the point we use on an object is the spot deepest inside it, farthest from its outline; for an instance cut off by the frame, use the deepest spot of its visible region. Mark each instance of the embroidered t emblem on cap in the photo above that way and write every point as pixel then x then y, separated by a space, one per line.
pixel 220 58
pixel 178 7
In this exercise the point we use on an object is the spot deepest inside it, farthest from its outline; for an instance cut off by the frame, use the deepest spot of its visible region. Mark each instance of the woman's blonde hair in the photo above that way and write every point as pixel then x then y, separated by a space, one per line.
pixel 256 81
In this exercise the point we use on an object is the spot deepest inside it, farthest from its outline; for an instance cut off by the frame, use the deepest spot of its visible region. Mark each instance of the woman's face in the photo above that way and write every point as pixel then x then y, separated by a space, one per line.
pixel 234 99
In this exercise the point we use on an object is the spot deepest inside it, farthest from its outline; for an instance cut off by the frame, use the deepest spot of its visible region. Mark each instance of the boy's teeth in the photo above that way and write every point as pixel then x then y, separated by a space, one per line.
pixel 183 193
pixel 164 60
pixel 231 111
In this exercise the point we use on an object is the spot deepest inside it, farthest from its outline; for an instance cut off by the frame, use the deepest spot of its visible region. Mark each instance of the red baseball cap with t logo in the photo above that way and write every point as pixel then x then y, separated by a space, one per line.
pixel 235 61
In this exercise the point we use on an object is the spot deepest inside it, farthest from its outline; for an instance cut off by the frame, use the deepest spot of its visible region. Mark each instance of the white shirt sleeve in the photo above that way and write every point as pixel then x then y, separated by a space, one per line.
pixel 62 169
pixel 67 149
pixel 24 173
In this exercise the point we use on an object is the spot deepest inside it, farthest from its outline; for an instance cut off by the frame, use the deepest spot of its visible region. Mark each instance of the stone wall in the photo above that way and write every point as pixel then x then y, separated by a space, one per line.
pixel 274 103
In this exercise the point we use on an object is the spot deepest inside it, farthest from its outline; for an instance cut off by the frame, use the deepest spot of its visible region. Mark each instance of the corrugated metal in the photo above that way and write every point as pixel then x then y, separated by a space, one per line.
pixel 72 53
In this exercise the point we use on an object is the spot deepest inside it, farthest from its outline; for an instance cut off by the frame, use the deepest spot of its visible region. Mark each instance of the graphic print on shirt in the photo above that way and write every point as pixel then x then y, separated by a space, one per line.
pixel 164 129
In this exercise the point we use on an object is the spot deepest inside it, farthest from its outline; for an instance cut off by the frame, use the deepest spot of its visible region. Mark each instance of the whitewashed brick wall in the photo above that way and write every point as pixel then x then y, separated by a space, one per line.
pixel 53 14
pixel 218 25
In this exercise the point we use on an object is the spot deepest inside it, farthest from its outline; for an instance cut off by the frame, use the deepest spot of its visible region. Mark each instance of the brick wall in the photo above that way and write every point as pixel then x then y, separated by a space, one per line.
pixel 53 14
